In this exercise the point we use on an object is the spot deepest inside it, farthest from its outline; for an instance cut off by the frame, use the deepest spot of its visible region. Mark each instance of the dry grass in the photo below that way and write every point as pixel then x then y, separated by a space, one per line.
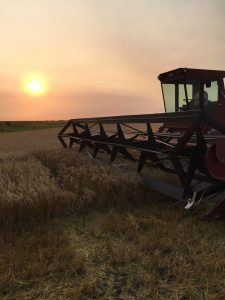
pixel 73 228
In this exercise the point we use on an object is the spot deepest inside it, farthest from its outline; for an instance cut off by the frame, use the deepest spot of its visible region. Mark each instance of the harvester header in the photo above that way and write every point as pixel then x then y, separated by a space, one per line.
pixel 188 140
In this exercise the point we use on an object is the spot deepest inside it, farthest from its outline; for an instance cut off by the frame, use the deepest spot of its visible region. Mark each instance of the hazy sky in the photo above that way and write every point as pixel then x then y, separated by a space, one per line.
pixel 102 57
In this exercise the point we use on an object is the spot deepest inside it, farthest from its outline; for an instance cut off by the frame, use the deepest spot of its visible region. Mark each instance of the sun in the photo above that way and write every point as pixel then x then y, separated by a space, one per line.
pixel 35 85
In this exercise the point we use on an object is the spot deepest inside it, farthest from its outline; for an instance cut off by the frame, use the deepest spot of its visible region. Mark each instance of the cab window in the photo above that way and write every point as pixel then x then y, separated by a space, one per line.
pixel 211 94
pixel 181 96
pixel 211 89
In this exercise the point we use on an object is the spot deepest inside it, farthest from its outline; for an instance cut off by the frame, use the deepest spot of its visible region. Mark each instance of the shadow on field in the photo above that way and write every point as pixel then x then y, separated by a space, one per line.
pixel 39 264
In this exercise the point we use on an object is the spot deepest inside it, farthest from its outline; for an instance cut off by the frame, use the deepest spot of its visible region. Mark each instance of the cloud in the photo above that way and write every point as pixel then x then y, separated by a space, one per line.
pixel 97 103
pixel 74 105
pixel 111 50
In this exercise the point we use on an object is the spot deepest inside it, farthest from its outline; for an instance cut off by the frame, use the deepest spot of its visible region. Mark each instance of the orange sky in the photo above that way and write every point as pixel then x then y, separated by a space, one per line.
pixel 102 57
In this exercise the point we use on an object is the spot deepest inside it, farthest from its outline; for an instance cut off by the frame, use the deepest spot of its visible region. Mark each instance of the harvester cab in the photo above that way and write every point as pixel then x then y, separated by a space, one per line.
pixel 188 140
pixel 194 90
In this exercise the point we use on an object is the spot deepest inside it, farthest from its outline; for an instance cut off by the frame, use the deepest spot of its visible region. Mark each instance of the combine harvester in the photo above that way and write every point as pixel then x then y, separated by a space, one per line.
pixel 188 140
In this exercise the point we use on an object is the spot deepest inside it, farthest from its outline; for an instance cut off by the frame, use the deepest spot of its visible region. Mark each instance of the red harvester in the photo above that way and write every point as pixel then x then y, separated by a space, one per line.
pixel 189 140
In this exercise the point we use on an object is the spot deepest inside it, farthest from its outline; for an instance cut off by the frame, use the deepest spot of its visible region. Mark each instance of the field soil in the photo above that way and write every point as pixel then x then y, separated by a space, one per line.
pixel 77 228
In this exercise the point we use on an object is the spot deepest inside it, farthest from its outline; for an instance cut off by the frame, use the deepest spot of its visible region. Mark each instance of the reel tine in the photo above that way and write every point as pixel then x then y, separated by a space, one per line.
pixel 87 129
pixel 126 153
pixel 75 131
pixel 106 148
pixel 102 130
pixel 62 142
pixel 71 143
pixel 120 131
pixel 82 146
pixel 96 150
pixel 151 138
pixel 113 153
pixel 141 162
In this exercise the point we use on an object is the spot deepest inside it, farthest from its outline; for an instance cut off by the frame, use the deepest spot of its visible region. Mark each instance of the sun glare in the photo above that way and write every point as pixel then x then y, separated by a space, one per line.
pixel 35 85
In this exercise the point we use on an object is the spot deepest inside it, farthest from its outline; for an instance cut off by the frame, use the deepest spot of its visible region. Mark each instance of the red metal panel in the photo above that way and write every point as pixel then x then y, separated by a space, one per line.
pixel 215 168
pixel 220 150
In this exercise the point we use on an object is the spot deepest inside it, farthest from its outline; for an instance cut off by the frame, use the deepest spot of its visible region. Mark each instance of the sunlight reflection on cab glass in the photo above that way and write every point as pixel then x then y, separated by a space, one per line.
pixel 35 85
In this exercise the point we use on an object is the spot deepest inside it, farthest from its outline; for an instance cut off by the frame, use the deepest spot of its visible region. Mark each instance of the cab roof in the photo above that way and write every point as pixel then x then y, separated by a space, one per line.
pixel 184 73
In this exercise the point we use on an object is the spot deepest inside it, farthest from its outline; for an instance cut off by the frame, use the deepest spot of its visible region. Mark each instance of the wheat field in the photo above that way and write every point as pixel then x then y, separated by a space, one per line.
pixel 75 228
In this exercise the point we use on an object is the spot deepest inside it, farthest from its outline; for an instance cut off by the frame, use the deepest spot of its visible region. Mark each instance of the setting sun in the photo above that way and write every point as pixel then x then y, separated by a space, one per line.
pixel 35 85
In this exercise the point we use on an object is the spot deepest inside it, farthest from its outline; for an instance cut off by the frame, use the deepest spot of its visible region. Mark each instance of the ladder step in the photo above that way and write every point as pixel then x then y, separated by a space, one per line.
pixel 199 186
